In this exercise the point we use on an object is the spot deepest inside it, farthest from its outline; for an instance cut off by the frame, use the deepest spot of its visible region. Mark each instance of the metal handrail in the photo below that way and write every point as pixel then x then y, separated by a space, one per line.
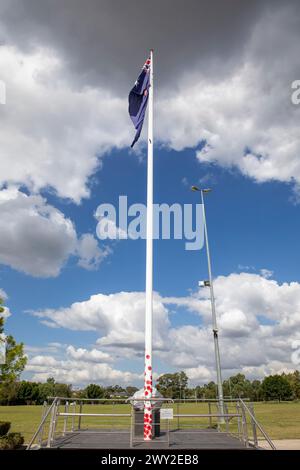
pixel 167 400
pixel 171 400
pixel 207 415
pixel 195 400
pixel 94 414
pixel 258 425
pixel 71 399
pixel 41 424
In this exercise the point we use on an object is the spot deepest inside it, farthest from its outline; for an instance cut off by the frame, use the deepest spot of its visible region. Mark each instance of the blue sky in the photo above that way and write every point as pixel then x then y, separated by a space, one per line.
pixel 251 226
pixel 223 119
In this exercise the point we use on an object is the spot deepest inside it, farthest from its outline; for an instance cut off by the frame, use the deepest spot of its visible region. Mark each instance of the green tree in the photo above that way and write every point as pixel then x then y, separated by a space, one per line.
pixel 46 389
pixel 256 390
pixel 15 358
pixel 94 391
pixel 27 393
pixel 276 387
pixel 173 385
pixel 8 393
pixel 62 390
pixel 130 390
pixel 294 380
pixel 52 389
pixel 114 389
pixel 199 391
pixel 190 393
pixel 237 386
pixel 210 390
pixel 15 362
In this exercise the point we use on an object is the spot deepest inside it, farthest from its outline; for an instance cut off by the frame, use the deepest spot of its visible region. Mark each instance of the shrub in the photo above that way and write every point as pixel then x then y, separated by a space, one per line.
pixel 4 427
pixel 11 441
pixel 16 438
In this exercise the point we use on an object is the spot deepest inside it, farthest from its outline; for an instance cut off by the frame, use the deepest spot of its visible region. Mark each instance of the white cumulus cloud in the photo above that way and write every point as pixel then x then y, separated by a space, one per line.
pixel 54 130
pixel 52 134
pixel 95 355
pixel 37 238
pixel 89 253
pixel 80 371
pixel 245 117
pixel 258 319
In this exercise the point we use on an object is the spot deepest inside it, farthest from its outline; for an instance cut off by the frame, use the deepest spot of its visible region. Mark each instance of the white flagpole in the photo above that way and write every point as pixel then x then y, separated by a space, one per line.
pixel 148 431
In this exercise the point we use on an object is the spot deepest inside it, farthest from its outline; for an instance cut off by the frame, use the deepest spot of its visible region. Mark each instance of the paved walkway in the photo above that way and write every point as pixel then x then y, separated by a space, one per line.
pixel 282 444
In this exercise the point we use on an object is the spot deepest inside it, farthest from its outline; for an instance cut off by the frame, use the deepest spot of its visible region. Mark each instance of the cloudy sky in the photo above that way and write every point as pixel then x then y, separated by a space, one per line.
pixel 223 118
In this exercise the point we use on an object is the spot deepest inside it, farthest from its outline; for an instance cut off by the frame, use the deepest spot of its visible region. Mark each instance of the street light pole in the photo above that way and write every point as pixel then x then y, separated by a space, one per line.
pixel 213 307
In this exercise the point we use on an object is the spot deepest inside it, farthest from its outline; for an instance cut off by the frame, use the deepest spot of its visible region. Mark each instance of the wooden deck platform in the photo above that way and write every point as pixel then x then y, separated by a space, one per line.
pixel 120 439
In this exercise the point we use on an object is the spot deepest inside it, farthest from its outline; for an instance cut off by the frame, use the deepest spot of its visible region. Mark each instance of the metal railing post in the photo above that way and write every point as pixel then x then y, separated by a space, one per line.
pixel 258 425
pixel 244 425
pixel 66 418
pixel 79 419
pixel 226 418
pixel 73 417
pixel 238 410
pixel 209 412
pixel 51 423
pixel 253 422
pixel 50 409
pixel 56 414
pixel 41 432
pixel 220 421
pixel 131 426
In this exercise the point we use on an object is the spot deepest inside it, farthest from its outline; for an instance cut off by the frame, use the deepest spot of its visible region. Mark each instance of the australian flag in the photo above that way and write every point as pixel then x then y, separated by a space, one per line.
pixel 138 99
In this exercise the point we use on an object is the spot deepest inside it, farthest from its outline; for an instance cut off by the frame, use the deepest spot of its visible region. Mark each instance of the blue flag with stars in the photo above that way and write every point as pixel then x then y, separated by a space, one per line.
pixel 138 99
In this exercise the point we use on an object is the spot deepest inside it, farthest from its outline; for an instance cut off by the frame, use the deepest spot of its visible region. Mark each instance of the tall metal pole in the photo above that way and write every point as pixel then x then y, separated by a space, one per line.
pixel 214 318
pixel 148 432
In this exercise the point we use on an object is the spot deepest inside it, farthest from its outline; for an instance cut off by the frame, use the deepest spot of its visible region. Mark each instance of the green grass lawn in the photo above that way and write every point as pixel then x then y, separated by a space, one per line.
pixel 280 420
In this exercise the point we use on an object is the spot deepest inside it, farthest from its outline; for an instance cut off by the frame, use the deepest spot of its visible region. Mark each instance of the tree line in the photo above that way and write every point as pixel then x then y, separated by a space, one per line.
pixel 34 393
pixel 273 387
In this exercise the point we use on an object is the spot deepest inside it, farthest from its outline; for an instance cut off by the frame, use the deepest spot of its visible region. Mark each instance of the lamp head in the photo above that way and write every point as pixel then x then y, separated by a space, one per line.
pixel 205 283
pixel 195 188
